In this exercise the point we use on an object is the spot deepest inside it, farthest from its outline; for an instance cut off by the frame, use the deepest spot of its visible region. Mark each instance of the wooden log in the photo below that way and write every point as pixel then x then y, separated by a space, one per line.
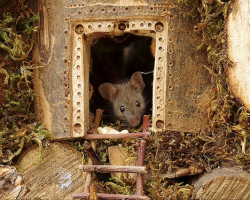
pixel 111 196
pixel 12 185
pixel 225 183
pixel 116 136
pixel 238 42
pixel 112 168
pixel 57 176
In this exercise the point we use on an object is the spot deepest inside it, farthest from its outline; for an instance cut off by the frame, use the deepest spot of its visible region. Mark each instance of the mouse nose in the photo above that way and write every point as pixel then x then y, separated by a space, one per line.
pixel 134 121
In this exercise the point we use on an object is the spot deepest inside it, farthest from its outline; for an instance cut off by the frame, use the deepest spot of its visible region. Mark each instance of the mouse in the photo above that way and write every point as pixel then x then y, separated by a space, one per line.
pixel 127 98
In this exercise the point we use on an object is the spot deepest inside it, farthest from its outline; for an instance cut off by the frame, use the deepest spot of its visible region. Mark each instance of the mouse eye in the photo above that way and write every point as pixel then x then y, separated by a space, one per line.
pixel 122 109
pixel 137 103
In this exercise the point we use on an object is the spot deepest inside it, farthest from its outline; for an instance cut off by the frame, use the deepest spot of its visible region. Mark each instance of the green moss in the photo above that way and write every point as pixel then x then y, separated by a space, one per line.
pixel 228 121
pixel 162 189
pixel 16 32
pixel 19 126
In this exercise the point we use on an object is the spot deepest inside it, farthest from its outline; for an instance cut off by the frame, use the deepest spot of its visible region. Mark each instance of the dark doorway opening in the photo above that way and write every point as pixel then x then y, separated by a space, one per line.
pixel 115 59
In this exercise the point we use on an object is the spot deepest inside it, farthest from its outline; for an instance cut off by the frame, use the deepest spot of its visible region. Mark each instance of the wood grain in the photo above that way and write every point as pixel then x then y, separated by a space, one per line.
pixel 57 177
pixel 225 183
pixel 238 42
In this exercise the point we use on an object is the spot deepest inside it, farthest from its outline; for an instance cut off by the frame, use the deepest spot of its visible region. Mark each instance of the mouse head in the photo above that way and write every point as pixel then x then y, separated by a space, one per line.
pixel 126 98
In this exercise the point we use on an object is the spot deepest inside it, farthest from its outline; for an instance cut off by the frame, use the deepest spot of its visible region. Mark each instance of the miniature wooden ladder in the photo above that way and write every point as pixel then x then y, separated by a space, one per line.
pixel 139 169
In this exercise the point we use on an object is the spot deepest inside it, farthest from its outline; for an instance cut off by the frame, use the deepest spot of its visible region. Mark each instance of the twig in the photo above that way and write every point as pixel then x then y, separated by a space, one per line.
pixel 96 124
pixel 91 90
pixel 93 193
pixel 98 117
pixel 92 154
pixel 115 136
pixel 141 152
pixel 113 168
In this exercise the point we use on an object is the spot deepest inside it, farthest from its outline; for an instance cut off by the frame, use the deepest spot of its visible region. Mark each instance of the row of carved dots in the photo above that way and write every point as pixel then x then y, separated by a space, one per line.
pixel 170 64
pixel 80 28
pixel 160 58
pixel 66 87
pixel 79 86
pixel 160 69
pixel 115 9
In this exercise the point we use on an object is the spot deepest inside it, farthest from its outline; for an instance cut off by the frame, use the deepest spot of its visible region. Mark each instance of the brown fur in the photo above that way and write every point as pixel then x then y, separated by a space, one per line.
pixel 126 94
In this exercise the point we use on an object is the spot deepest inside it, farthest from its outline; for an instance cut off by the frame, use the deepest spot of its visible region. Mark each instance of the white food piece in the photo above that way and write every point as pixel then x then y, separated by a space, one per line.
pixel 109 130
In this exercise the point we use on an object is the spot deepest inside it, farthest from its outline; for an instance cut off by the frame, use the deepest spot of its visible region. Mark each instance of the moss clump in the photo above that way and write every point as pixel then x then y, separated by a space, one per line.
pixel 156 188
pixel 117 186
pixel 162 189
pixel 19 125
pixel 226 116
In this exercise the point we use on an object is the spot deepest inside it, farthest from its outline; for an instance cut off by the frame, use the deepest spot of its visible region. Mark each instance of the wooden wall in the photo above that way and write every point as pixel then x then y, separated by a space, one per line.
pixel 184 84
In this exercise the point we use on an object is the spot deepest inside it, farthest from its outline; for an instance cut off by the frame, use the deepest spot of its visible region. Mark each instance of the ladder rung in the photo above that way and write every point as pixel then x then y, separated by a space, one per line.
pixel 113 168
pixel 126 169
pixel 110 196
pixel 115 136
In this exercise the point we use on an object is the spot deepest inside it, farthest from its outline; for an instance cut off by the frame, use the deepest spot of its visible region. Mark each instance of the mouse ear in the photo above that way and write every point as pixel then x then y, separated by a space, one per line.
pixel 137 81
pixel 108 91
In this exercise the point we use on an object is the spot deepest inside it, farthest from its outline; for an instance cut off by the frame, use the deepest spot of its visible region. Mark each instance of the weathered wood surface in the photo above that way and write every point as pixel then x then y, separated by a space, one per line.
pixel 57 176
pixel 180 80
pixel 225 183
pixel 238 43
